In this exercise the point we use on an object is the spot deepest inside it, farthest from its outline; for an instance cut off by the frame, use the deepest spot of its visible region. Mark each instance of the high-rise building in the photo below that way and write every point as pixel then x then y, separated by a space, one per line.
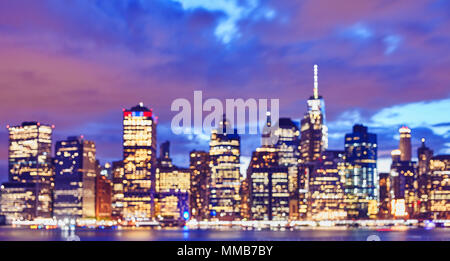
pixel 139 162
pixel 268 186
pixel 314 132
pixel 424 154
pixel 19 201
pixel 439 192
pixel 29 157
pixel 405 143
pixel 75 172
pixel 172 188
pixel 103 197
pixel 361 176
pixel 200 176
pixel 384 203
pixel 117 190
pixel 287 147
pixel 403 180
pixel 326 191
pixel 225 172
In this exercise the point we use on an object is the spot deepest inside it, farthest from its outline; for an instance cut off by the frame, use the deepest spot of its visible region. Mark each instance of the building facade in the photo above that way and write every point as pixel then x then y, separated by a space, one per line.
pixel 326 187
pixel 268 186
pixel 103 198
pixel 287 146
pixel 424 155
pixel 117 190
pixel 361 176
pixel 200 179
pixel 172 189
pixel 30 161
pixel 439 192
pixel 75 173
pixel 139 163
pixel 225 179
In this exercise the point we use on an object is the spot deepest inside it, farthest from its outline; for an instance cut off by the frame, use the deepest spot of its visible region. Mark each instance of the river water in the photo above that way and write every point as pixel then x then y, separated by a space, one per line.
pixel 146 234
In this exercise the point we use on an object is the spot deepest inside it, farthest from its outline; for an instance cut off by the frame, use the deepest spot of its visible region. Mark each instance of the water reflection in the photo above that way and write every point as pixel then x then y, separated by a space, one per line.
pixel 184 234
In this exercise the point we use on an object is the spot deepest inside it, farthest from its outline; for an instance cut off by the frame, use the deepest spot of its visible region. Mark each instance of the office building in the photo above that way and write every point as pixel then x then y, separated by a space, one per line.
pixel 268 186
pixel 29 157
pixel 424 155
pixel 103 198
pixel 326 190
pixel 361 176
pixel 172 188
pixel 200 179
pixel 139 163
pixel 225 179
pixel 439 192
pixel 75 173
pixel 117 190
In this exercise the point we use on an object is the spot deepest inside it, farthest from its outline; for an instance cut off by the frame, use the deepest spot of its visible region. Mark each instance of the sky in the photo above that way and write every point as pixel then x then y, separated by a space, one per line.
pixel 77 64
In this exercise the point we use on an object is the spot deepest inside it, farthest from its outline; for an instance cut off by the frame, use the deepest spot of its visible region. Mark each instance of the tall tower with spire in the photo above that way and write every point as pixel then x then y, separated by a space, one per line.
pixel 314 132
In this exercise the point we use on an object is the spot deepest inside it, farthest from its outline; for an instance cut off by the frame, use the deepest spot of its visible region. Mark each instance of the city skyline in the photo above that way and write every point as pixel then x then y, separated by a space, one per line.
pixel 77 65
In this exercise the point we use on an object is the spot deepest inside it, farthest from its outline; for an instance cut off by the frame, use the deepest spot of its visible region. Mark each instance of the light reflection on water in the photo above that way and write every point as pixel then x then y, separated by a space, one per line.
pixel 184 234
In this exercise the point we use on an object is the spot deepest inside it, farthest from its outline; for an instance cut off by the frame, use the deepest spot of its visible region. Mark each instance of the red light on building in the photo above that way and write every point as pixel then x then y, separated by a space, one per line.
pixel 126 113
pixel 147 114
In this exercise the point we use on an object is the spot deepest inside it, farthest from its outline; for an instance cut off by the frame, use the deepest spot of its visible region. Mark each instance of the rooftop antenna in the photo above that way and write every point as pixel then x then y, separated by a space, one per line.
pixel 316 81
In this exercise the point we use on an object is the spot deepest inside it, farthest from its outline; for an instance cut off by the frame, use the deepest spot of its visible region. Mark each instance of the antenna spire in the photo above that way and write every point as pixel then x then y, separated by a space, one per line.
pixel 316 81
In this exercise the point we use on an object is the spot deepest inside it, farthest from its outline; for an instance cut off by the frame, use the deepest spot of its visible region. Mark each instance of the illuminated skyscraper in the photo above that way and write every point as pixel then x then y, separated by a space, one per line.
pixel 405 143
pixel 268 186
pixel 314 132
pixel 139 162
pixel 361 177
pixel 403 180
pixel 117 189
pixel 75 173
pixel 225 173
pixel 200 176
pixel 326 192
pixel 439 192
pixel 30 161
pixel 424 154
pixel 172 188
pixel 287 147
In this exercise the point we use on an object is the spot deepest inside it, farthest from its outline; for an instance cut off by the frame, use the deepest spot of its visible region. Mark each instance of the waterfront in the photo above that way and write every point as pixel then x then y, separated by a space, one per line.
pixel 147 234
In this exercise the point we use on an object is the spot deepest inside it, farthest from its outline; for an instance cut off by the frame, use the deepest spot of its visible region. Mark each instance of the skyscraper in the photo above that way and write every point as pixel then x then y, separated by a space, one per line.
pixel 403 180
pixel 361 176
pixel 314 132
pixel 424 154
pixel 225 173
pixel 139 162
pixel 287 147
pixel 200 176
pixel 30 146
pixel 75 173
pixel 268 186
pixel 326 191
pixel 29 157
pixel 405 143
pixel 439 192
pixel 172 188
